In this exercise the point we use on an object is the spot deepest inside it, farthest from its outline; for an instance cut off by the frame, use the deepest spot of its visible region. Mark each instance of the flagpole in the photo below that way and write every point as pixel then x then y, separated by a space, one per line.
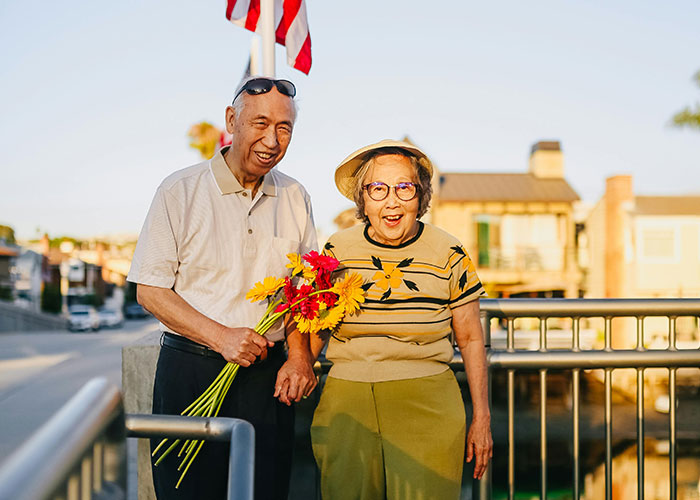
pixel 255 55
pixel 267 20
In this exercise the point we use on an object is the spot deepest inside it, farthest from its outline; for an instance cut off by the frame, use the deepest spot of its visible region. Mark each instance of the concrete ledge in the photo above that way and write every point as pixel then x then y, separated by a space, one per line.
pixel 138 371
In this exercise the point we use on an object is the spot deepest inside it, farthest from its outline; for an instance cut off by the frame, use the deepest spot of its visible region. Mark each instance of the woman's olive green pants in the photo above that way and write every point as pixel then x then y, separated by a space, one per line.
pixel 394 440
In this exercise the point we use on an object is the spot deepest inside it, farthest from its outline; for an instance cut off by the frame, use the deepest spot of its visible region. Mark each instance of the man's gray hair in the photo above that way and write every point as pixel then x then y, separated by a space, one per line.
pixel 422 178
pixel 239 103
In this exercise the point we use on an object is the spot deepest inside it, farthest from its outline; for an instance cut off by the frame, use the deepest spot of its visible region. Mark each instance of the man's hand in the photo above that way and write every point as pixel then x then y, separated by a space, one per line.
pixel 242 345
pixel 479 445
pixel 295 379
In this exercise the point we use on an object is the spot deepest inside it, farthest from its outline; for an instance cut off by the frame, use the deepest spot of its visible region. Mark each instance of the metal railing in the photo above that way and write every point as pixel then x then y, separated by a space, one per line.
pixel 575 359
pixel 80 453
pixel 233 430
pixel 77 453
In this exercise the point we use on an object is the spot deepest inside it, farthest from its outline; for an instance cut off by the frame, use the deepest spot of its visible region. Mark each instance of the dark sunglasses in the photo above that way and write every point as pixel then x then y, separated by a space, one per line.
pixel 258 86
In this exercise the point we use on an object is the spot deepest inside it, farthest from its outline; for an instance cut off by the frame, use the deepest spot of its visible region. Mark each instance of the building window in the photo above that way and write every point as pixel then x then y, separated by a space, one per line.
pixel 657 243
pixel 488 238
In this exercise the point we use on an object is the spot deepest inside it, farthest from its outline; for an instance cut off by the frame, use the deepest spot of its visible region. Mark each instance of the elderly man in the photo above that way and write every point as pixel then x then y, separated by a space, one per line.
pixel 212 231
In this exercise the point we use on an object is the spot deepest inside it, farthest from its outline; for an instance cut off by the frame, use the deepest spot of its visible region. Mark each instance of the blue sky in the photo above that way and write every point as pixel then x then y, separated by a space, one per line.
pixel 97 98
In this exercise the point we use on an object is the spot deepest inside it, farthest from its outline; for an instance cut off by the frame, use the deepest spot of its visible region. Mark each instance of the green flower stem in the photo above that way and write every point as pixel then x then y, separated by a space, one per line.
pixel 212 409
pixel 160 445
pixel 271 307
pixel 191 446
pixel 207 392
pixel 183 447
pixel 188 465
pixel 210 393
pixel 166 452
pixel 230 381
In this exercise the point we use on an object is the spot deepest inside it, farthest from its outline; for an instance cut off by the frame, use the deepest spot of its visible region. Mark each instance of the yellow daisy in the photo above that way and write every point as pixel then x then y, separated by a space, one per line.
pixel 390 277
pixel 307 325
pixel 350 292
pixel 295 263
pixel 264 289
pixel 308 274
pixel 331 318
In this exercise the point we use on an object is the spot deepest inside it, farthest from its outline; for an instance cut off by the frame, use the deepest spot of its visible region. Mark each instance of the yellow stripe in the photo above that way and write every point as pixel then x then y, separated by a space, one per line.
pixel 368 263
pixel 405 312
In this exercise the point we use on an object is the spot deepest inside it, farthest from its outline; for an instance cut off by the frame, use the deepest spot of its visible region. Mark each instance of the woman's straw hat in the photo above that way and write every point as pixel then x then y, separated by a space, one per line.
pixel 345 174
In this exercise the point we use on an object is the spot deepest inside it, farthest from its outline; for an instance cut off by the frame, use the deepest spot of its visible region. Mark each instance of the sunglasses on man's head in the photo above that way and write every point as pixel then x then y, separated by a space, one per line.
pixel 258 86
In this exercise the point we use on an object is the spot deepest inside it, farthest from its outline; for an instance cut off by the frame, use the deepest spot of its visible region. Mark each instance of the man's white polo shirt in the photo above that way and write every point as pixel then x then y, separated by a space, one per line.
pixel 208 240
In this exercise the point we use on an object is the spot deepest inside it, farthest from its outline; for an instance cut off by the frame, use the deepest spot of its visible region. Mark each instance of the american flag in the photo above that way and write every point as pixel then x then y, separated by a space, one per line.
pixel 292 27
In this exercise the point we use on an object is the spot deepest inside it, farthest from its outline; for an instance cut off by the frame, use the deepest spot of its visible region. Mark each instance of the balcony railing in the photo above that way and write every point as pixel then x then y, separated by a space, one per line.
pixel 521 258
pixel 576 359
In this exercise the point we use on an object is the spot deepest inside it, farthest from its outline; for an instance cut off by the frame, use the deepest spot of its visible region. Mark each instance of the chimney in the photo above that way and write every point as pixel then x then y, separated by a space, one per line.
pixel 45 244
pixel 619 198
pixel 547 160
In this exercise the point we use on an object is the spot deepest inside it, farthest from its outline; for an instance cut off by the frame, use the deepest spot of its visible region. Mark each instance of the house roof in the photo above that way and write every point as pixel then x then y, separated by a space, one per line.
pixel 667 205
pixel 504 187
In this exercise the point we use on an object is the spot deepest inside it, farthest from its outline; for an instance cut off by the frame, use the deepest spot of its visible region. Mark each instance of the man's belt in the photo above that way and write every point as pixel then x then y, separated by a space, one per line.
pixel 180 343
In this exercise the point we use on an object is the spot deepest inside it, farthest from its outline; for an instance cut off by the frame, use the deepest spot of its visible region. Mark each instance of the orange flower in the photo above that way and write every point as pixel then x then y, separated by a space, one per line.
pixel 307 325
pixel 264 289
pixel 389 277
pixel 329 319
pixel 350 292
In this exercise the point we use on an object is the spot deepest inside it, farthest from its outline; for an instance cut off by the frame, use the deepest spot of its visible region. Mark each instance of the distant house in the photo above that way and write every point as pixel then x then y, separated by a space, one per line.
pixel 8 256
pixel 518 227
pixel 28 284
pixel 644 246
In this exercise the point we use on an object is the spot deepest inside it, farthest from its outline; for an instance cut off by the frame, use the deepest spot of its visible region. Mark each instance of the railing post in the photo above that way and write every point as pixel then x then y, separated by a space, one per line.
pixel 481 490
pixel 239 433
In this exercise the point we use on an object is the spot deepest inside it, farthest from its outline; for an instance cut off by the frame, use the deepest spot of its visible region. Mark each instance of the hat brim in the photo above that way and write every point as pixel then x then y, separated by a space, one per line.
pixel 346 172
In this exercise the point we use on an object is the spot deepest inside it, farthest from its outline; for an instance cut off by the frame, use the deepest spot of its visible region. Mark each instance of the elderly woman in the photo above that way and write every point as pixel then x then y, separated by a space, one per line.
pixel 391 423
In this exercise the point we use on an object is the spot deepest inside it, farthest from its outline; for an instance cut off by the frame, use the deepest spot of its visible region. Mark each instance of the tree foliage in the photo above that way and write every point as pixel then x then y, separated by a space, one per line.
pixel 8 234
pixel 51 299
pixel 690 116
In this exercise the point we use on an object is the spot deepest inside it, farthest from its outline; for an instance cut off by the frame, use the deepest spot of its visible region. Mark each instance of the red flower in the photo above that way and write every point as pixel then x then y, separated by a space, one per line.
pixel 328 298
pixel 307 306
pixel 280 308
pixel 289 291
pixel 323 262
pixel 323 279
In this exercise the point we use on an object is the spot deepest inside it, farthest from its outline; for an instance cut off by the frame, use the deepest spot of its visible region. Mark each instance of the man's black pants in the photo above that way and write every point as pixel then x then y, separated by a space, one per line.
pixel 180 378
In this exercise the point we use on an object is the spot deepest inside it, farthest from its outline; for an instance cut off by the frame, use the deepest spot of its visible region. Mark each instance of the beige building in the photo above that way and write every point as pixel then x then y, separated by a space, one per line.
pixel 644 247
pixel 518 227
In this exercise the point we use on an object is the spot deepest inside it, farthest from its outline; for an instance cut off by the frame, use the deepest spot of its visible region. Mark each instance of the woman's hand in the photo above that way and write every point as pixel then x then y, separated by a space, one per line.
pixel 466 324
pixel 479 445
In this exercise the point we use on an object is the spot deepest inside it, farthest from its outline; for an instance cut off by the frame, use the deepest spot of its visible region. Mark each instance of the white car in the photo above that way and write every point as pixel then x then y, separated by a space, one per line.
pixel 83 318
pixel 110 318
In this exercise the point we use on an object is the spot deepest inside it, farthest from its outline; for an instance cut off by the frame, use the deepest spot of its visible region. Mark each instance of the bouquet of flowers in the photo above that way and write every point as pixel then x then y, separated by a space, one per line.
pixel 314 302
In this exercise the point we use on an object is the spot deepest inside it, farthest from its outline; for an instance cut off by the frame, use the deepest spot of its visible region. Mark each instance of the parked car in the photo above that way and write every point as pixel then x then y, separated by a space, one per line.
pixel 134 310
pixel 83 318
pixel 110 318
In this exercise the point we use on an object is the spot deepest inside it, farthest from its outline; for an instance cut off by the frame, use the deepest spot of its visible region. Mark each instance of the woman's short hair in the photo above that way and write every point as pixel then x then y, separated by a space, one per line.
pixel 422 178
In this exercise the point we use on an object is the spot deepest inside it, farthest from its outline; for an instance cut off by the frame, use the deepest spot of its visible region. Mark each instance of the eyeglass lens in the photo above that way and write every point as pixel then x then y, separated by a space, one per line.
pixel 405 191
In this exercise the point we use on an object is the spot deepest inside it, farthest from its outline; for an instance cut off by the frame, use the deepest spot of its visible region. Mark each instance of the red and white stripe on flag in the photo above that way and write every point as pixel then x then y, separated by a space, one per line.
pixel 292 27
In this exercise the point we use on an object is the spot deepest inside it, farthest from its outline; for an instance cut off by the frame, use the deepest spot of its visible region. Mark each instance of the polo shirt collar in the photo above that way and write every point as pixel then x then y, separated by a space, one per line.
pixel 227 182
